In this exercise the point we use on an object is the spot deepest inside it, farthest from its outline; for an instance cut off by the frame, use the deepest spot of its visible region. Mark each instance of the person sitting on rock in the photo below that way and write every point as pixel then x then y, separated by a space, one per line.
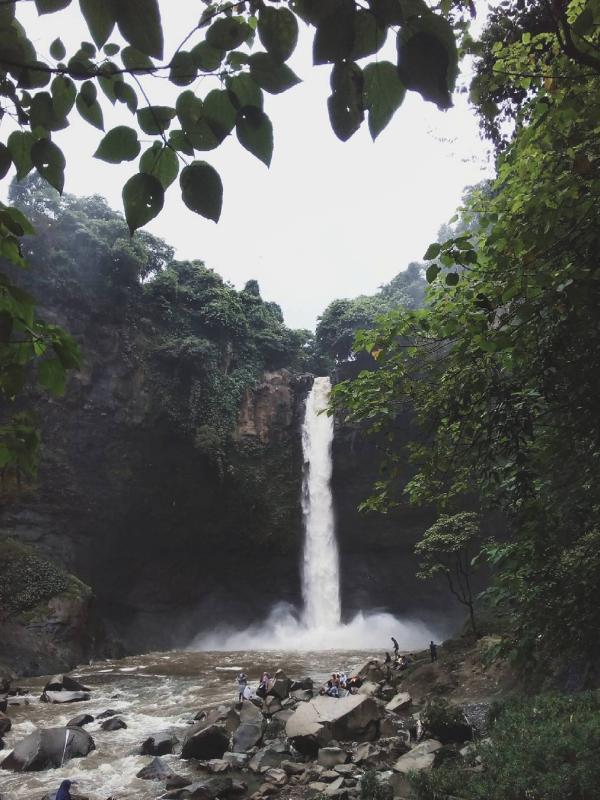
pixel 263 686
pixel 242 681
pixel 388 658
pixel 402 663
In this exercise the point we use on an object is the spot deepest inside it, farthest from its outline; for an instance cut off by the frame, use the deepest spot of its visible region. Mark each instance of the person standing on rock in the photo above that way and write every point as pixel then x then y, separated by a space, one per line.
pixel 242 681
pixel 396 648
pixel 433 651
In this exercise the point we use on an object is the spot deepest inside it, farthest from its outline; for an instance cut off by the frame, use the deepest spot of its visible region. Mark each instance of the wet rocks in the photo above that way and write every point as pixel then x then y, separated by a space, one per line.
pixel 105 714
pixel 203 790
pixel 158 744
pixel 64 683
pixel 64 697
pixel 156 770
pixel 250 730
pixel 217 765
pixel 236 760
pixel 113 724
pixel 5 724
pixel 49 748
pixel 399 702
pixel 80 720
pixel 366 754
pixel 205 742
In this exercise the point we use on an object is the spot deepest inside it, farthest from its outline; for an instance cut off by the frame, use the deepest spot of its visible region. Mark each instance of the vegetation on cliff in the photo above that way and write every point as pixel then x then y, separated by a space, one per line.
pixel 501 367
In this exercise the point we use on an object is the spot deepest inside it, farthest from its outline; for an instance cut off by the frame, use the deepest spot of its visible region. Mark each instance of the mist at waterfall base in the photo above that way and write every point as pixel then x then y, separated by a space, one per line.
pixel 319 625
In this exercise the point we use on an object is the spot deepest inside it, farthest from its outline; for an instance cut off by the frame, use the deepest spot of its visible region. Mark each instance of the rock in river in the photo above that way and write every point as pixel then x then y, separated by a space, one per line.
pixel 45 749
pixel 80 720
pixel 315 723
pixel 205 742
pixel 203 790
pixel 113 724
pixel 156 770
pixel 159 744
pixel 64 697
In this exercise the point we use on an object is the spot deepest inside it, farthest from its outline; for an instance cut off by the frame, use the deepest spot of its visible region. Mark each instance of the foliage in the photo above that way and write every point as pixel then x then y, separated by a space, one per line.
pixel 26 578
pixel 501 367
pixel 546 748
pixel 372 788
pixel 448 548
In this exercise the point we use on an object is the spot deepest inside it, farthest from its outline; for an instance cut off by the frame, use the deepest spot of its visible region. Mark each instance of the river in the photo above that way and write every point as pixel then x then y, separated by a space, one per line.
pixel 151 693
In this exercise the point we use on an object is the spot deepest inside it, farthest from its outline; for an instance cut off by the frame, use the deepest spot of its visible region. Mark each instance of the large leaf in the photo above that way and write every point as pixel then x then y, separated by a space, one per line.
pixel 202 190
pixel 278 32
pixel 140 24
pixel 228 33
pixel 49 162
pixel 387 12
pixel 100 17
pixel 369 34
pixel 155 119
pixel 345 105
pixel 183 69
pixel 255 132
pixel 50 6
pixel 52 375
pixel 334 37
pixel 126 94
pixel 134 60
pixel 57 50
pixel 220 113
pixel 383 93
pixel 161 162
pixel 143 199
pixel 119 144
pixel 89 107
pixel 206 57
pixel 244 91
pixel 64 93
pixel 428 58
pixel 19 145
pixel 5 160
pixel 271 75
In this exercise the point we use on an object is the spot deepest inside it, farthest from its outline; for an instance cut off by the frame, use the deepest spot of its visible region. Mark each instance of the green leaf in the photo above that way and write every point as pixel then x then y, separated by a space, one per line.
pixel 245 91
pixel 452 278
pixel 428 58
pixel 207 58
pixel 20 219
pixel 19 144
pixel 111 49
pixel 52 375
pixel 126 94
pixel 41 113
pixel 35 76
pixel 140 24
pixel 433 251
pixel 88 106
pixel 334 37
pixel 220 113
pixel 12 379
pixel 183 69
pixel 155 119
pixel 255 132
pixel 100 18
pixel 369 35
pixel 161 162
pixel 271 75
pixel 64 93
pixel 202 190
pixel 432 272
pixel 278 32
pixel 143 199
pixel 50 6
pixel 57 50
pixel 135 60
pixel 179 141
pixel 387 12
pixel 5 160
pixel 345 105
pixel 119 144
pixel 383 93
pixel 228 33
pixel 49 162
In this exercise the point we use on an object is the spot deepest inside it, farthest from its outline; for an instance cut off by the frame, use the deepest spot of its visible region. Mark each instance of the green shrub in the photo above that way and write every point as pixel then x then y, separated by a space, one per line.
pixel 547 748
pixel 26 578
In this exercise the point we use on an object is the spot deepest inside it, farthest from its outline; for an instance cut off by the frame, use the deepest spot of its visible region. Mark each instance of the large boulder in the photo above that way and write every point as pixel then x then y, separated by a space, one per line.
pixel 219 786
pixel 156 770
pixel 269 757
pixel 158 744
pixel 419 758
pixel 5 724
pixel 304 684
pixel 80 720
pixel 205 742
pixel 46 749
pixel 373 671
pixel 64 683
pixel 315 723
pixel 113 724
pixel 64 697
pixel 331 756
pixel 223 715
pixel 280 685
pixel 250 730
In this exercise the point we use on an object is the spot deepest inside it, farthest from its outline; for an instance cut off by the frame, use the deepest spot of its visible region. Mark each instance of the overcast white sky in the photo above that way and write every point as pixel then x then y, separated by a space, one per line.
pixel 328 219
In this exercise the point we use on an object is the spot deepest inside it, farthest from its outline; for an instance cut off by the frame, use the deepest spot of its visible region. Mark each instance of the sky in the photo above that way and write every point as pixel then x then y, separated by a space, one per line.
pixel 327 219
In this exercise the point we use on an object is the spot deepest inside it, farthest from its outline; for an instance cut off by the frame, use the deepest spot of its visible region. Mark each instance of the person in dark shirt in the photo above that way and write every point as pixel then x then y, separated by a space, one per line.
pixel 63 791
pixel 433 651
pixel 396 647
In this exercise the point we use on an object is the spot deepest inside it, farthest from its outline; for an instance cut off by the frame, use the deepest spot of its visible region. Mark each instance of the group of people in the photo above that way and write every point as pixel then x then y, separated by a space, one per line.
pixel 401 662
pixel 244 690
pixel 340 685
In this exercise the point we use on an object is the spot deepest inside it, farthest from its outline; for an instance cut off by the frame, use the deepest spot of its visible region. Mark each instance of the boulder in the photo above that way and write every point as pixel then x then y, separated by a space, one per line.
pixel 276 725
pixel 386 692
pixel 304 684
pixel 64 683
pixel 331 756
pixel 302 694
pixel 80 720
pixel 399 702
pixel 293 767
pixel 369 688
pixel 334 786
pixel 250 730
pixel 419 758
pixel 113 724
pixel 5 724
pixel 366 754
pixel 315 723
pixel 49 748
pixel 64 697
pixel 276 776
pixel 217 765
pixel 205 742
pixel 237 760
pixel 269 757
pixel 373 671
pixel 273 705
pixel 202 790
pixel 224 715
pixel 158 744
pixel 345 769
pixel 156 770
pixel 280 685
pixel 105 714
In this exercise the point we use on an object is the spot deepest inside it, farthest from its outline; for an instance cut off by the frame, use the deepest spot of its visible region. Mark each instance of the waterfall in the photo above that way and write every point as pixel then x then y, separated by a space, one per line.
pixel 320 574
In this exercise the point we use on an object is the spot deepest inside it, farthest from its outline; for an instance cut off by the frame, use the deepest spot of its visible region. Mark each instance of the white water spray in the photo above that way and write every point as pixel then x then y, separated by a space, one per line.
pixel 321 571
pixel 319 626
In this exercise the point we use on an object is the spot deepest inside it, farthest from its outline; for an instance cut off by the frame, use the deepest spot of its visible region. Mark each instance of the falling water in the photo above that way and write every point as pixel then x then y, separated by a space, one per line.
pixel 321 573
